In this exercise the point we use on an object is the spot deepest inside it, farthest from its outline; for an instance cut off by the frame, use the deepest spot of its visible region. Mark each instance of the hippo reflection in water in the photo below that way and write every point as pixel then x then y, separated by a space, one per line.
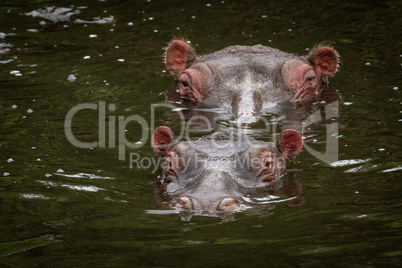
pixel 214 174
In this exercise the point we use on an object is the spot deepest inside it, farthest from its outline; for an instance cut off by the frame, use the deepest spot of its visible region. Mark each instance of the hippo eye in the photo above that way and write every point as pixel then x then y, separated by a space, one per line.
pixel 311 80
pixel 185 79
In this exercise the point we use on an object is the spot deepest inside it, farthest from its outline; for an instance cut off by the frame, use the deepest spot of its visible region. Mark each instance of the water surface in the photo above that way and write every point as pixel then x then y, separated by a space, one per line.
pixel 67 206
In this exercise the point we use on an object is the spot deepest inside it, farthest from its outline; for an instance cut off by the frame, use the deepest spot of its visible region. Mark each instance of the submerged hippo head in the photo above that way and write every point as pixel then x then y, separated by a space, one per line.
pixel 246 79
pixel 212 175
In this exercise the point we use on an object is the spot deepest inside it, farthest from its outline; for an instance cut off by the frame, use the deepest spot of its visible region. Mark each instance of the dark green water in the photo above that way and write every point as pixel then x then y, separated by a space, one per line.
pixel 63 206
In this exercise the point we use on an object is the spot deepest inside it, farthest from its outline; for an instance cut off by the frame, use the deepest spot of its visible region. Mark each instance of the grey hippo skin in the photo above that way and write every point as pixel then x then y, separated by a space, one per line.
pixel 246 79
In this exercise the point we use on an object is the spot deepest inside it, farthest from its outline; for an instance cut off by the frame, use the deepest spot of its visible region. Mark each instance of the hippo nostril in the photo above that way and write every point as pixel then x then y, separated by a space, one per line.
pixel 184 203
pixel 228 204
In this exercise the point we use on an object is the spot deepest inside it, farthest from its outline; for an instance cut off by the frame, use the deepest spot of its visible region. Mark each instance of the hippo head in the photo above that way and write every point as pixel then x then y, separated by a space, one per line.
pixel 246 80
pixel 210 176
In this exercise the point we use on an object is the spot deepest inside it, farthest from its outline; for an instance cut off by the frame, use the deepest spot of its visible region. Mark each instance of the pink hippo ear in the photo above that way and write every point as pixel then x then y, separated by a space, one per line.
pixel 290 143
pixel 162 140
pixel 325 61
pixel 178 55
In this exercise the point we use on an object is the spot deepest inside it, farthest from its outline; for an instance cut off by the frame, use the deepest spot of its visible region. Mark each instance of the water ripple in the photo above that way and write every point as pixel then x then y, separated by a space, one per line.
pixel 84 176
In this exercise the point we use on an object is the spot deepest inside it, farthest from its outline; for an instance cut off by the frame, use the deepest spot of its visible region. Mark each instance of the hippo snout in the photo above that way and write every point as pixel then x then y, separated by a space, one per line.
pixel 226 204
